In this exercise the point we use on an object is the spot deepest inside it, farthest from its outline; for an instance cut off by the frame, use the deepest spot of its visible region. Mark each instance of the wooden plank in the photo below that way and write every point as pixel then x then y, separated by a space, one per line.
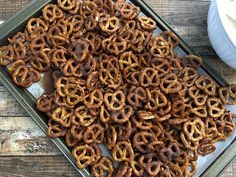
pixel 8 105
pixel 36 166
pixel 21 136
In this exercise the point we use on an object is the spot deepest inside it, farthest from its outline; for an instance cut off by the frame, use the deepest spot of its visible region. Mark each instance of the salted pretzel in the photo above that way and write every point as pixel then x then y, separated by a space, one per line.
pixel 62 116
pixel 84 155
pixel 192 61
pixel 123 130
pixel 170 84
pixel 123 151
pixel 52 12
pixel 127 10
pixel 109 24
pixel 33 23
pixel 82 117
pixel 94 134
pixel 94 99
pixel 206 84
pixel 123 170
pixel 150 163
pixel 114 101
pixel 6 55
pixel 55 130
pixel 103 167
pixel 147 23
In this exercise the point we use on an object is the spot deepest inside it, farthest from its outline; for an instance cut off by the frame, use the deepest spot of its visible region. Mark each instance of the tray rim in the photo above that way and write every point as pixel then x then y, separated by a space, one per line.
pixel 217 166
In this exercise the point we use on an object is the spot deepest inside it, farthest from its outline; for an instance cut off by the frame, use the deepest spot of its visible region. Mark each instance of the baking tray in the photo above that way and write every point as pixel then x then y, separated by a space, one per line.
pixel 27 100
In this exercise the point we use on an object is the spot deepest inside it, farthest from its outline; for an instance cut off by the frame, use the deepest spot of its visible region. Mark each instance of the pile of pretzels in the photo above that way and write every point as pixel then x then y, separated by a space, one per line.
pixel 118 84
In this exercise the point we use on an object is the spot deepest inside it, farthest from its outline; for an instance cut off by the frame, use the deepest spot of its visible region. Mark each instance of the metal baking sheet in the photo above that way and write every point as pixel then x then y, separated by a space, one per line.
pixel 212 165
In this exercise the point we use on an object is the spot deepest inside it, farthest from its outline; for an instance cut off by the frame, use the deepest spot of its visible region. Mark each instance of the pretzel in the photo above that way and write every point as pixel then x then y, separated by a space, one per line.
pixel 90 22
pixel 169 153
pixel 116 46
pixel 123 130
pixel 215 107
pixel 192 61
pixel 87 8
pixel 94 99
pixel 140 123
pixel 161 65
pixel 226 125
pixel 171 37
pixel 6 55
pixel 62 116
pixel 77 22
pixel 71 141
pixel 149 77
pixel 122 115
pixel 188 76
pixel 150 163
pixel 207 84
pixel 66 27
pixel 19 36
pixel 228 94
pixel 170 84
pixel 82 117
pixel 79 50
pixel 44 103
pixel 33 23
pixel 103 167
pixel 55 130
pixel 136 97
pixel 194 130
pixel 75 9
pixel 94 134
pixel 110 77
pixel 66 4
pixel 40 62
pixel 123 170
pixel 84 155
pixel 205 147
pixel 114 101
pixel 147 23
pixel 181 110
pixel 199 99
pixel 52 12
pixel 142 139
pixel 77 132
pixel 19 50
pixel 137 169
pixel 93 81
pixel 109 24
pixel 155 99
pixel 123 151
pixel 127 10
pixel 56 38
pixel 138 41
pixel 23 77
pixel 110 137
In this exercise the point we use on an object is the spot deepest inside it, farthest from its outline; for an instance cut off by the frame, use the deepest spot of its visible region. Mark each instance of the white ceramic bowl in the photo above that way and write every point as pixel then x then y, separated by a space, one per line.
pixel 221 35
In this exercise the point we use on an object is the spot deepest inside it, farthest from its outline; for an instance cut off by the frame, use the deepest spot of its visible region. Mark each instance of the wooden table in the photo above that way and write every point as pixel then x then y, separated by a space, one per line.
pixel 26 152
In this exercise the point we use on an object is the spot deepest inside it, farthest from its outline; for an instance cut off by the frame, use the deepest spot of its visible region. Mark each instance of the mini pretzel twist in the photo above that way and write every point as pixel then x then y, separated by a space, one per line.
pixel 55 130
pixel 6 55
pixel 215 107
pixel 52 12
pixel 114 101
pixel 82 117
pixel 33 23
pixel 147 23
pixel 150 163
pixel 94 134
pixel 84 155
pixel 192 61
pixel 161 65
pixel 169 153
pixel 136 97
pixel 62 116
pixel 207 84
pixel 104 167
pixel 123 151
pixel 122 115
pixel 109 24
pixel 170 84
pixel 123 170
pixel 194 130
pixel 94 99
pixel 149 77
pixel 127 10
pixel 110 137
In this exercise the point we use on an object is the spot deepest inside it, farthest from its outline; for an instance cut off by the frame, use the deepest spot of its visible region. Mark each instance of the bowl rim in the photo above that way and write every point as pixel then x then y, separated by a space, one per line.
pixel 223 22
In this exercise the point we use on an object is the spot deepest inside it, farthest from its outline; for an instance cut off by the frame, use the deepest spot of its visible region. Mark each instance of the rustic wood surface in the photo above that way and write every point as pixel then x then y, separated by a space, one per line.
pixel 24 149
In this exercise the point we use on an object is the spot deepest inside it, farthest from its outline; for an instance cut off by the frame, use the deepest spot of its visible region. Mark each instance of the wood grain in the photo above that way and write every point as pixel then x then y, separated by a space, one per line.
pixel 21 136
pixel 36 167
pixel 21 141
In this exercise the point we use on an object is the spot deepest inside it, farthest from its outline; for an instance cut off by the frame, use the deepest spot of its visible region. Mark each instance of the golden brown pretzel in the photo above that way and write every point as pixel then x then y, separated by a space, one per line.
pixel 104 167
pixel 55 130
pixel 147 23
pixel 114 101
pixel 62 116
pixel 6 55
pixel 82 117
pixel 94 99
pixel 123 151
pixel 52 12
pixel 84 155
pixel 94 134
